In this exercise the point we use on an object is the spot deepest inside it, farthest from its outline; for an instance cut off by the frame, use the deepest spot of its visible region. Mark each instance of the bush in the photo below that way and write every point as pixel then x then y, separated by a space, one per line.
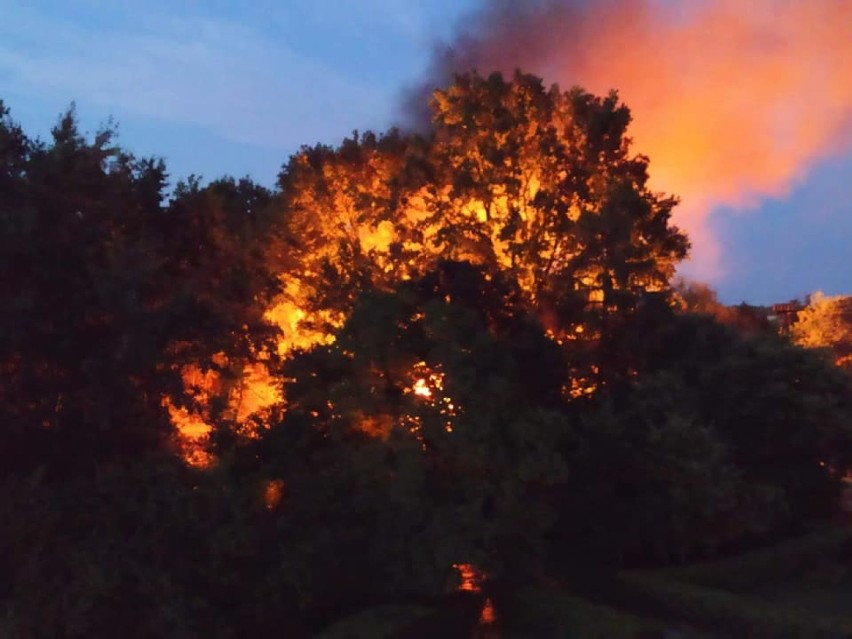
pixel 151 550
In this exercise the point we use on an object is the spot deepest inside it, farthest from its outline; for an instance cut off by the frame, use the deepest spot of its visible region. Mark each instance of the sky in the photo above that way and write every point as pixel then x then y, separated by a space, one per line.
pixel 233 88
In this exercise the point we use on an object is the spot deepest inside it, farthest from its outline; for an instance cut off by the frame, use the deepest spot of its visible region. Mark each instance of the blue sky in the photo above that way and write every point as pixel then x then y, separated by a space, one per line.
pixel 234 88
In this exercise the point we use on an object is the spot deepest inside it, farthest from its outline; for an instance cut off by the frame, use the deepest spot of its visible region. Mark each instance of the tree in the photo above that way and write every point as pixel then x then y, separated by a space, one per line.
pixel 438 400
pixel 538 184
pixel 146 549
pixel 546 181
pixel 826 323
pixel 78 339
pixel 345 230
pixel 111 296
pixel 782 413
pixel 219 254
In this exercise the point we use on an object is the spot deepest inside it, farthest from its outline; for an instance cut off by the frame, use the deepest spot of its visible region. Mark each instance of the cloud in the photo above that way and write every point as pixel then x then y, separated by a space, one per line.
pixel 219 74
pixel 733 101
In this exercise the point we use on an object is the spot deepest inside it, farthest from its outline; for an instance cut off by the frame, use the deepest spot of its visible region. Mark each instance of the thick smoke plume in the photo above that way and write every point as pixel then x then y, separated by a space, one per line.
pixel 732 101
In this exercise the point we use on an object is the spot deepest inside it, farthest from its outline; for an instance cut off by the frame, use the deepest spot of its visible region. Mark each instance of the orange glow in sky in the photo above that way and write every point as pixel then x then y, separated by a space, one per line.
pixel 733 101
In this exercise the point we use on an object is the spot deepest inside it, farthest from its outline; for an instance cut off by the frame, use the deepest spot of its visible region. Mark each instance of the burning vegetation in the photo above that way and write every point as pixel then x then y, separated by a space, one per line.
pixel 731 104
pixel 533 185
pixel 423 353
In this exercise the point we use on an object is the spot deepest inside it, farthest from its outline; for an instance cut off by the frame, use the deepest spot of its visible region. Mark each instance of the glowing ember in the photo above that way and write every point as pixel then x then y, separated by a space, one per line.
pixel 273 492
pixel 487 616
pixel 471 578
pixel 428 386
pixel 421 389
pixel 379 426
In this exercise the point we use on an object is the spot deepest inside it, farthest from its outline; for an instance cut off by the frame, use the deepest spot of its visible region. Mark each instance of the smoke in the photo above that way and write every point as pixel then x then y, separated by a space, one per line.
pixel 732 101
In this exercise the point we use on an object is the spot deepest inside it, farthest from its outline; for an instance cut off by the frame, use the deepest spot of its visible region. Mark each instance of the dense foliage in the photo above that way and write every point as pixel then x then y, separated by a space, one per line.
pixel 476 355
pixel 826 323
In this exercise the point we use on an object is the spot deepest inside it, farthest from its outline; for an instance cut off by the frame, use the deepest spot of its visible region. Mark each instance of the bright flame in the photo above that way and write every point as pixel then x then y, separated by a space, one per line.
pixel 421 389
pixel 256 391
pixel 192 433
pixel 470 578
pixel 252 394
pixel 193 427
pixel 428 386
pixel 300 329
pixel 487 616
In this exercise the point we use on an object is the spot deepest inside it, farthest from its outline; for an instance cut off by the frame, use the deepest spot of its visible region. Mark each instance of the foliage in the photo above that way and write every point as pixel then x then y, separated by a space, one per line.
pixel 382 622
pixel 780 561
pixel 78 337
pixel 554 614
pixel 538 184
pixel 735 615
pixel 148 550
pixel 669 486
pixel 109 294
pixel 781 411
pixel 481 360
pixel 695 297
pixel 826 323
pixel 546 178
pixel 456 476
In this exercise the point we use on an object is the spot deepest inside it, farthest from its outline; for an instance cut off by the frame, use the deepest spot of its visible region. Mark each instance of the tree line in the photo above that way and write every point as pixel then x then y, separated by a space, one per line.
pixel 477 354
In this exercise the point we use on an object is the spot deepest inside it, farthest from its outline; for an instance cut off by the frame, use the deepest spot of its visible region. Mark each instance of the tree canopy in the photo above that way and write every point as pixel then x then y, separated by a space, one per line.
pixel 421 357
pixel 539 184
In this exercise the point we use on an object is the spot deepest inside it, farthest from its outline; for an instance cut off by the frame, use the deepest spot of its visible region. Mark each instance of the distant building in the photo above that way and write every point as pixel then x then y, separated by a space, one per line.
pixel 782 316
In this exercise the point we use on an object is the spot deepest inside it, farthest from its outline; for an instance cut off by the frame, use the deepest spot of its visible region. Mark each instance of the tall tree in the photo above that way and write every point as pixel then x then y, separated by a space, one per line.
pixel 78 342
pixel 220 252
pixel 539 184
pixel 547 180
pixel 111 296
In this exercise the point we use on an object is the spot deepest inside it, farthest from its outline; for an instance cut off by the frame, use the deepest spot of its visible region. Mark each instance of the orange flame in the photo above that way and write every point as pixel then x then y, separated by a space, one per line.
pixel 471 578
pixel 421 388
pixel 471 581
pixel 273 492
pixel 428 386
pixel 254 392
pixel 733 102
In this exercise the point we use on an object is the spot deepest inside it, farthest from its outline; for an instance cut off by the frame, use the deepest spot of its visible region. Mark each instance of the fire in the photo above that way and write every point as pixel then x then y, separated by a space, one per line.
pixel 354 224
pixel 428 386
pixel 421 388
pixel 256 391
pixel 300 328
pixel 191 426
pixel 192 433
pixel 273 492
pixel 379 426
pixel 471 580
pixel 733 102
pixel 428 382
pixel 487 616
pixel 251 394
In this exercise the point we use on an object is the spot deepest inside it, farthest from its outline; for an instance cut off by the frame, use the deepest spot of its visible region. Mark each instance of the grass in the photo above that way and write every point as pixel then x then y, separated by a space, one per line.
pixel 732 614
pixel 782 561
pixel 375 623
pixel 554 614
pixel 797 588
